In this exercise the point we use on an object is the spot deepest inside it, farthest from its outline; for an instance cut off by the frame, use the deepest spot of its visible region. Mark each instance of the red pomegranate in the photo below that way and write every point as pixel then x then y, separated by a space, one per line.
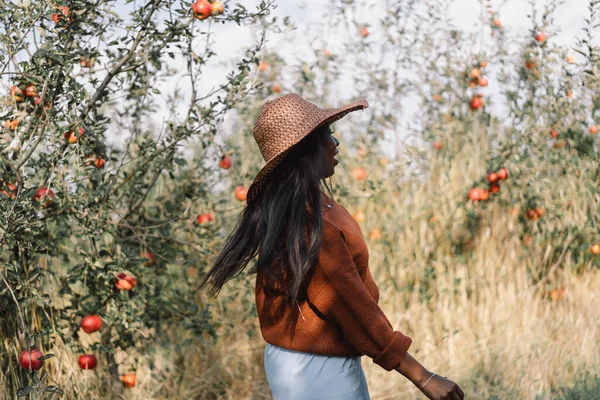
pixel 87 361
pixel 91 323
pixel 29 359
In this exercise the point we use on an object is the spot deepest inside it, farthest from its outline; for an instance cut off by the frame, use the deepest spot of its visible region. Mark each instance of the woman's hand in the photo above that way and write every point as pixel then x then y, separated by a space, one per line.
pixel 440 388
pixel 436 388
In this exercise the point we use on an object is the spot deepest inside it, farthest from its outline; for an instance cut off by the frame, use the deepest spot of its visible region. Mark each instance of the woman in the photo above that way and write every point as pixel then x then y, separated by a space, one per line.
pixel 316 299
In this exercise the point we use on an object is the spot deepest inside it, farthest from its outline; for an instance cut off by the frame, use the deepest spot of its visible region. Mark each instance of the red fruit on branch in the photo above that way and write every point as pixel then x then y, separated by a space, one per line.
pixel 13 191
pixel 502 174
pixel 494 187
pixel 29 359
pixel 359 174
pixel 128 380
pixel 492 177
pixel 557 294
pixel 201 9
pixel 241 192
pixel 217 8
pixel 91 323
pixel 85 62
pixel 359 216
pixel 149 256
pixel 44 193
pixel 64 12
pixel 30 91
pixel 476 102
pixel 73 137
pixel 16 93
pixel 124 281
pixel 482 81
pixel 474 194
pixel 375 234
pixel 11 124
pixel 99 162
pixel 225 161
pixel 204 218
pixel 87 361
pixel 540 37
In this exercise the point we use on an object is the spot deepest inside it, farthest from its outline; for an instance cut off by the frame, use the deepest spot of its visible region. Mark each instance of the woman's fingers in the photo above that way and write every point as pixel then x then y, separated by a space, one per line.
pixel 443 388
pixel 454 395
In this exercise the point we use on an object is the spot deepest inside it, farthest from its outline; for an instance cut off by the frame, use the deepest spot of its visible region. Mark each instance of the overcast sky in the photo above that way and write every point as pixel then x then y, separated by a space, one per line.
pixel 464 14
pixel 231 40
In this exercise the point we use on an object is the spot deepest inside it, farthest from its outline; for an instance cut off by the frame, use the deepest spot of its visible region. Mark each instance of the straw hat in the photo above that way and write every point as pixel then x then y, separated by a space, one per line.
pixel 282 123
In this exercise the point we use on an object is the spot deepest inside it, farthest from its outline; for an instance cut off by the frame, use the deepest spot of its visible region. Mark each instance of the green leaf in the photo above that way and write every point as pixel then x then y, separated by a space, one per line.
pixel 53 389
pixel 23 392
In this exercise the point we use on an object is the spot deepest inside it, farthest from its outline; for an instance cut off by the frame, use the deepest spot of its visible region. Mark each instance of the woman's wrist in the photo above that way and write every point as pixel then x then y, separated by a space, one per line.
pixel 413 370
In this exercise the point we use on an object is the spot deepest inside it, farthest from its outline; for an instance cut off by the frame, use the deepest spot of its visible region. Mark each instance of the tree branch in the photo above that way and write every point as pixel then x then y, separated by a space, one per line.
pixel 117 68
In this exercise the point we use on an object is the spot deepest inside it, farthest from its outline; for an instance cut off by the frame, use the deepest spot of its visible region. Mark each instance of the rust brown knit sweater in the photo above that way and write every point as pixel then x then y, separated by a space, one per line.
pixel 341 316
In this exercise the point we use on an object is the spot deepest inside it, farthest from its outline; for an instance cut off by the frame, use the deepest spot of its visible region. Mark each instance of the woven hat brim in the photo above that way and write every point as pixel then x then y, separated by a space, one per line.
pixel 331 115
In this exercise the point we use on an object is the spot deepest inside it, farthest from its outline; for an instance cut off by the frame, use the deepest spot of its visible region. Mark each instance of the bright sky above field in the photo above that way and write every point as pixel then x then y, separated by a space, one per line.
pixel 231 39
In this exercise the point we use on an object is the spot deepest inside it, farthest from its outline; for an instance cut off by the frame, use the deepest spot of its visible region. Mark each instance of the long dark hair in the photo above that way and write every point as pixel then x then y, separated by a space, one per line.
pixel 278 225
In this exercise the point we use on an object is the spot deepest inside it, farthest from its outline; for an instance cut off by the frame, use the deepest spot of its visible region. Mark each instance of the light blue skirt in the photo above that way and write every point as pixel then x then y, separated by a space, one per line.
pixel 295 375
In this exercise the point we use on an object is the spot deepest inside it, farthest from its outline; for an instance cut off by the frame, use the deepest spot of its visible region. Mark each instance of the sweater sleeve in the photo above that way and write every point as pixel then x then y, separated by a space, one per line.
pixel 363 323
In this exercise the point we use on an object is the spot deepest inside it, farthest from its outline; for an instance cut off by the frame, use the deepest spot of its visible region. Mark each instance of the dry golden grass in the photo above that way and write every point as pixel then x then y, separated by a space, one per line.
pixel 479 319
pixel 503 341
pixel 492 333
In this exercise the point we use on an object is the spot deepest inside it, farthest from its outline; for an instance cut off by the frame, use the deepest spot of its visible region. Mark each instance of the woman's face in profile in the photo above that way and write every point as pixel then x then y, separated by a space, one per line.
pixel 331 150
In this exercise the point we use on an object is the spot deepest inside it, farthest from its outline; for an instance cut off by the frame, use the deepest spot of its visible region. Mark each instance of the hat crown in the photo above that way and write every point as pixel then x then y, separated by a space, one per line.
pixel 282 122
